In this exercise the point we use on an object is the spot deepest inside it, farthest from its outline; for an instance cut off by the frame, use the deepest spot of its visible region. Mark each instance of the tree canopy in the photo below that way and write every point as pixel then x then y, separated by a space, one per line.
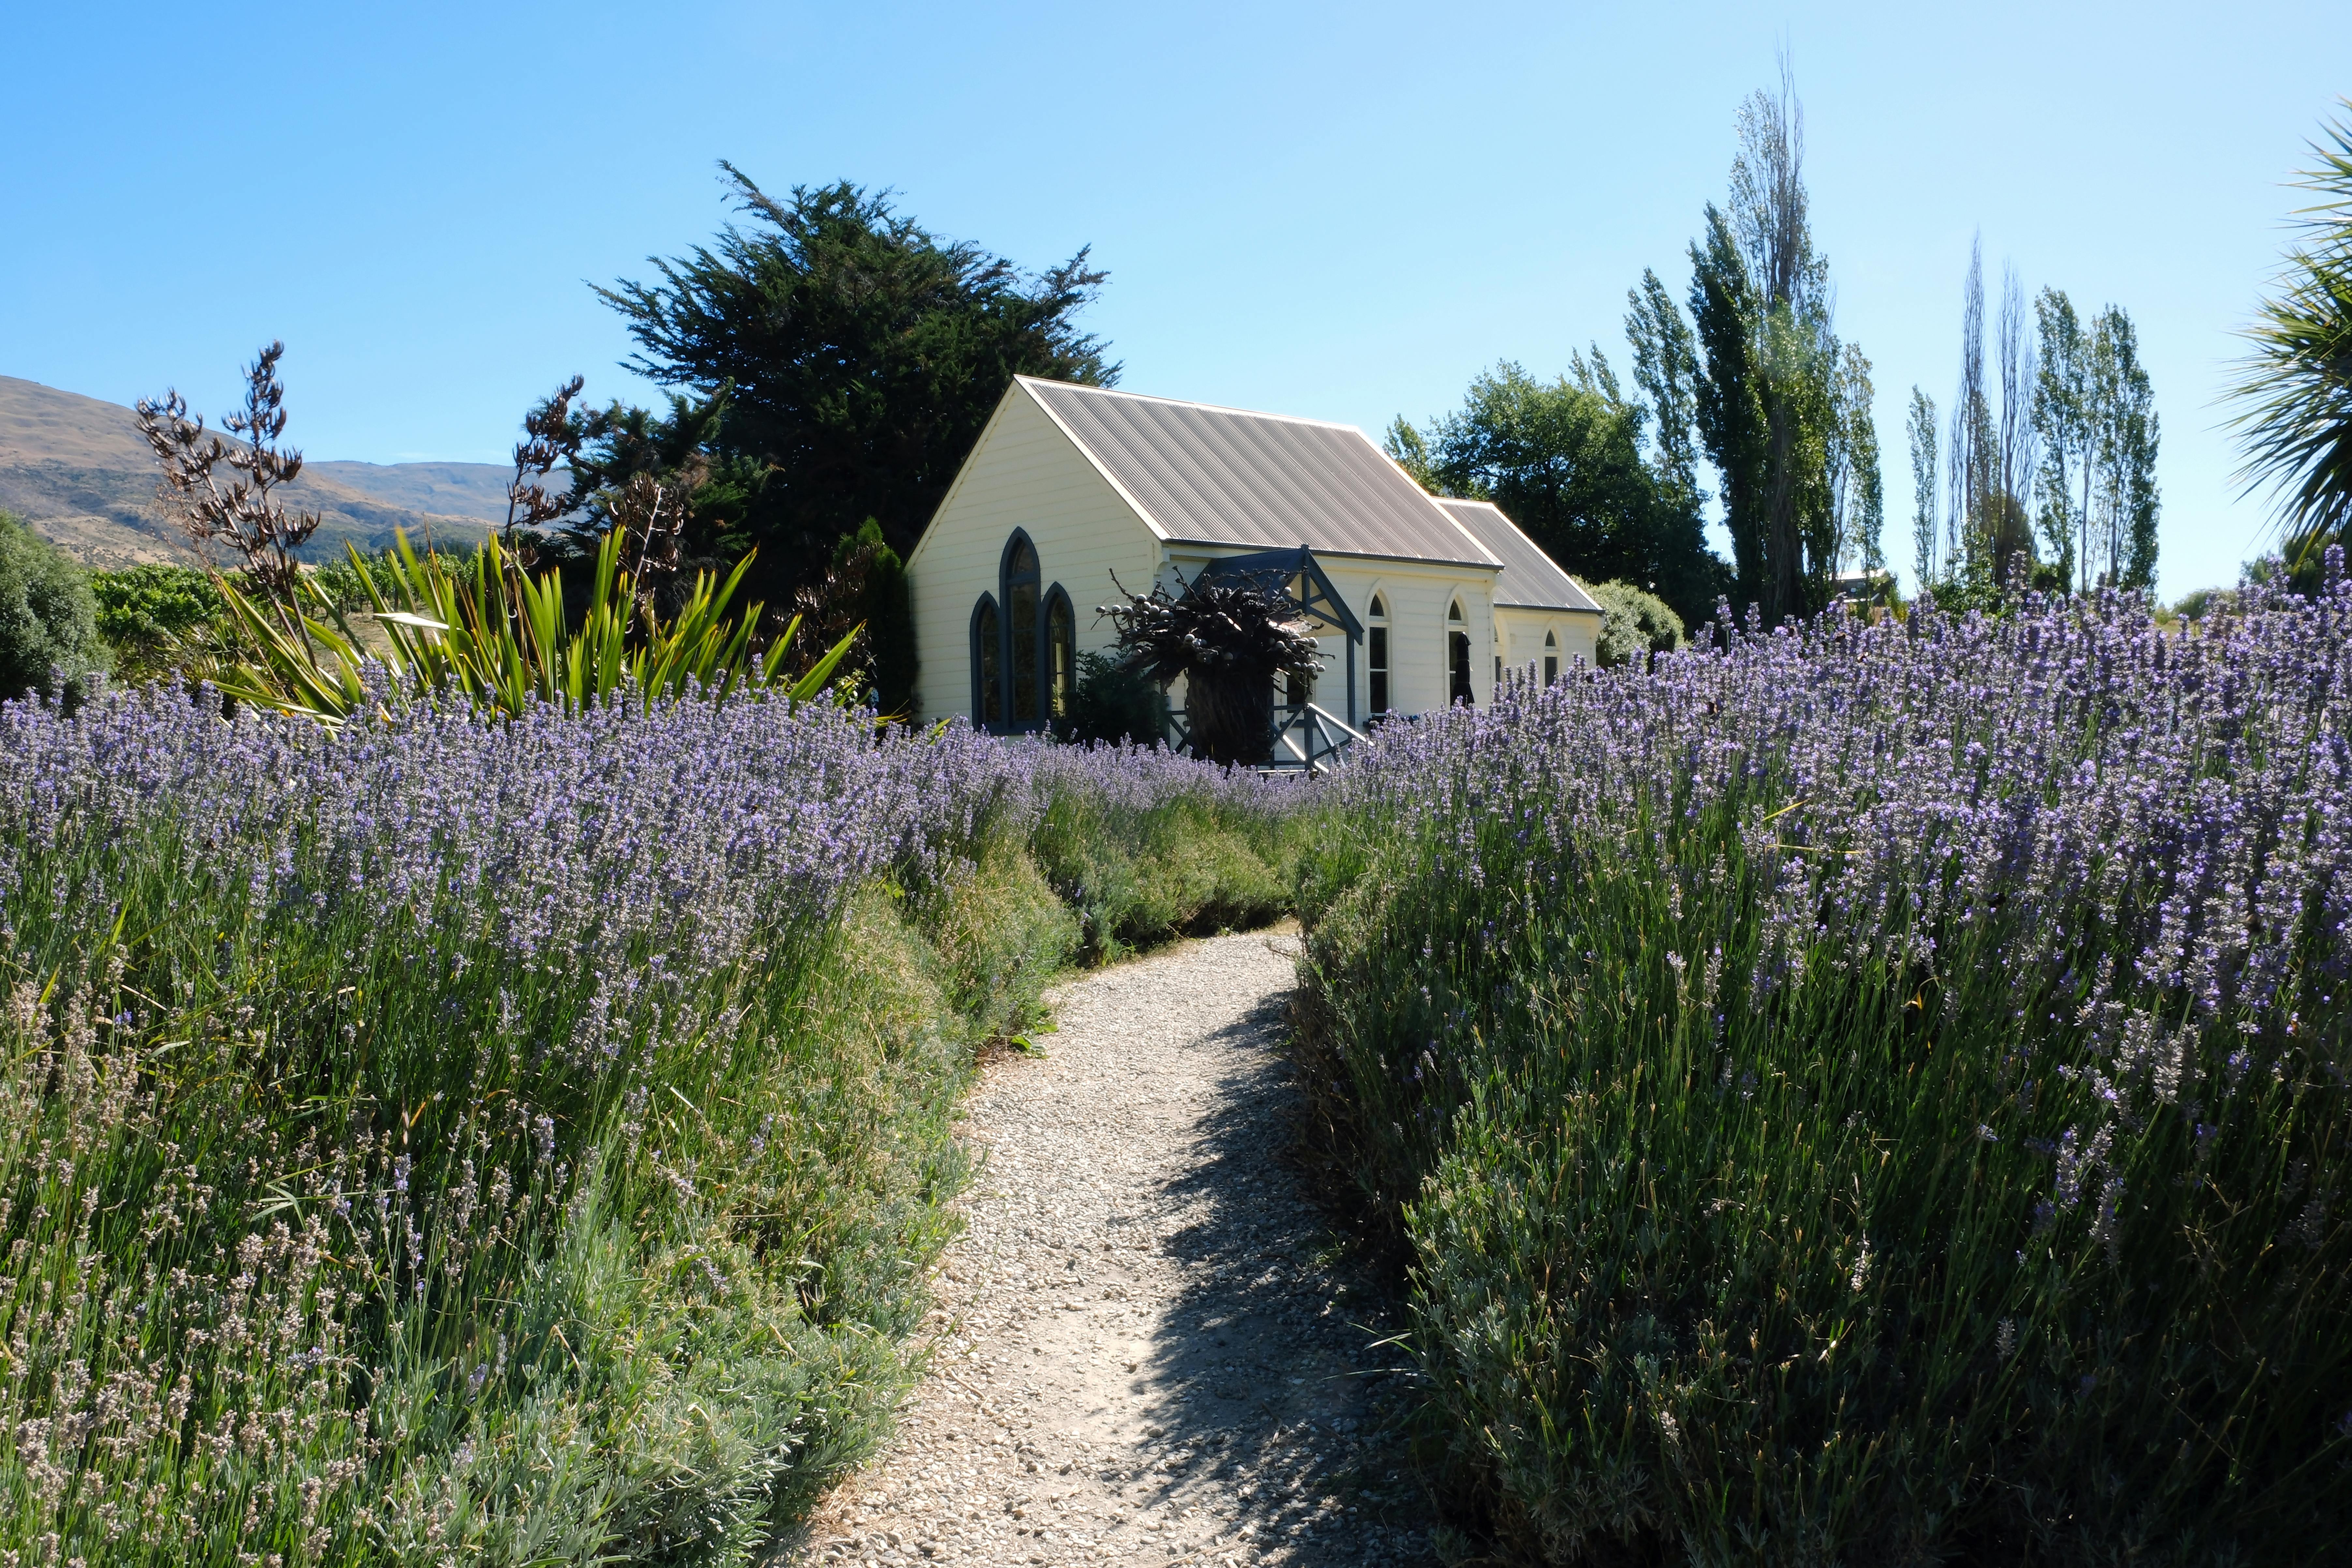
pixel 839 361
pixel 1564 458
pixel 2295 398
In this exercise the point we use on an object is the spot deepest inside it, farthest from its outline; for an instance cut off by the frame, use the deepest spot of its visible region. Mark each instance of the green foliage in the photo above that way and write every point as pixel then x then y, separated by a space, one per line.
pixel 1564 459
pixel 645 1318
pixel 1229 639
pixel 867 587
pixel 618 1359
pixel 1114 705
pixel 157 617
pixel 1782 408
pixel 2295 395
pixel 1139 873
pixel 1635 624
pixel 49 638
pixel 505 640
pixel 859 356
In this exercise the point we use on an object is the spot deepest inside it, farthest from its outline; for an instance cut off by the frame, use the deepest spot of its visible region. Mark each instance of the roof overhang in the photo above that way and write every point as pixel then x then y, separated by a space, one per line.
pixel 1295 571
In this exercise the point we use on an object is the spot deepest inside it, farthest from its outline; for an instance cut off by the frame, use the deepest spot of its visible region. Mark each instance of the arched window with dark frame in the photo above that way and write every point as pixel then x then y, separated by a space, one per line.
pixel 1376 653
pixel 987 664
pixel 1061 654
pixel 1458 651
pixel 1551 658
pixel 1023 636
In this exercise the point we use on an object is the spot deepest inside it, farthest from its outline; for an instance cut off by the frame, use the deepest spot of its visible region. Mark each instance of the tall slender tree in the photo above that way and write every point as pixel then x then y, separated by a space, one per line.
pixel 1921 428
pixel 1767 402
pixel 2012 531
pixel 1857 484
pixel 2062 420
pixel 1728 399
pixel 2125 433
pixel 1970 461
pixel 1666 370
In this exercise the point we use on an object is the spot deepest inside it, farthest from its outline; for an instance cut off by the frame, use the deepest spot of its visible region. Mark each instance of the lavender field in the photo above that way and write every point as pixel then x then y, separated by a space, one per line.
pixel 454 1140
pixel 1875 1094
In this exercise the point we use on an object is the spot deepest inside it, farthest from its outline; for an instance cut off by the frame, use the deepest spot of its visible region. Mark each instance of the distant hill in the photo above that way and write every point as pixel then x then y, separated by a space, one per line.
pixel 76 469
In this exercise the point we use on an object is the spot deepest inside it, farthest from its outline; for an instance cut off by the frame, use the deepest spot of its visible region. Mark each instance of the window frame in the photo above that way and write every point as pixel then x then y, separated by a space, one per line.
pixel 987 660
pixel 1379 666
pixel 1008 581
pixel 1059 676
pixel 1458 684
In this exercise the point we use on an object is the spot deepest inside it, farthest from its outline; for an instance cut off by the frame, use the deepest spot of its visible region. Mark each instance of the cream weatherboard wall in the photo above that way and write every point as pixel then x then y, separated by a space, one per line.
pixel 1025 473
pixel 1521 632
pixel 1418 597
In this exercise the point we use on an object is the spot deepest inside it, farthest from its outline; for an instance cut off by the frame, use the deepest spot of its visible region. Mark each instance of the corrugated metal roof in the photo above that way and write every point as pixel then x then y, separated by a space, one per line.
pixel 1530 579
pixel 1201 474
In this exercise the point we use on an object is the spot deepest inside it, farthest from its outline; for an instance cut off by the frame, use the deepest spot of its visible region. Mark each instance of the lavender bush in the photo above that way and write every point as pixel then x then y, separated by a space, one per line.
pixel 484 1141
pixel 1873 1094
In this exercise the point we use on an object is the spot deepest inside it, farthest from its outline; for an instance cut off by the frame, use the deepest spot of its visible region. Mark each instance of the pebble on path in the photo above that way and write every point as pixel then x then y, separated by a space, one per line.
pixel 1143 1351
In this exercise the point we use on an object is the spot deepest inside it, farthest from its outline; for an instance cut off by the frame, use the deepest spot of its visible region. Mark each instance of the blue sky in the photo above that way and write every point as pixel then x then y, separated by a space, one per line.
pixel 1336 210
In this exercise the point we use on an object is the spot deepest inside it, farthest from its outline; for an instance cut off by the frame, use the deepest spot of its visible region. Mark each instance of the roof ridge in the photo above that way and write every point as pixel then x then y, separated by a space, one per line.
pixel 1190 403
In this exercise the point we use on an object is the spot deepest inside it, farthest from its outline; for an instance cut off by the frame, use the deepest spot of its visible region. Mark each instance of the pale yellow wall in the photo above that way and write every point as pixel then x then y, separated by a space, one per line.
pixel 1522 635
pixel 1417 597
pixel 1025 473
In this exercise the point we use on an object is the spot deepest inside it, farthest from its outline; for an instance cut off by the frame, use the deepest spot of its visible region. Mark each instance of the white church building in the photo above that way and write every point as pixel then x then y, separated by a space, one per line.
pixel 1072 492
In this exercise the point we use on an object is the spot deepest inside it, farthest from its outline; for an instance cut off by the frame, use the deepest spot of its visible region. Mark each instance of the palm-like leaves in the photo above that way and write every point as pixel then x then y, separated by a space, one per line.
pixel 501 639
pixel 2296 389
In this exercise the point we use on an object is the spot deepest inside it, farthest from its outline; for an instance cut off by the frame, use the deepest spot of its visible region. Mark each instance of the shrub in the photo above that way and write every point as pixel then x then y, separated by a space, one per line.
pixel 1635 623
pixel 510 1142
pixel 155 614
pixel 1145 845
pixel 48 622
pixel 1114 706
pixel 1875 1095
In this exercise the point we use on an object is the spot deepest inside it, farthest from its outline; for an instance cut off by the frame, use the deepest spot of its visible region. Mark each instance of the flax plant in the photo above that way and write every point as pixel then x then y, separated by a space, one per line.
pixel 502 639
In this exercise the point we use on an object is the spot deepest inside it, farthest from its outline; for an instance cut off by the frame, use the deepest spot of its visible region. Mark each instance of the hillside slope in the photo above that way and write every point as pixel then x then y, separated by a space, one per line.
pixel 76 469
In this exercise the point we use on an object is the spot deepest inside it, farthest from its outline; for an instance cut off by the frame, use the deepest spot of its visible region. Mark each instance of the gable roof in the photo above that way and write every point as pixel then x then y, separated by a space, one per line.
pixel 1530 580
pixel 1198 474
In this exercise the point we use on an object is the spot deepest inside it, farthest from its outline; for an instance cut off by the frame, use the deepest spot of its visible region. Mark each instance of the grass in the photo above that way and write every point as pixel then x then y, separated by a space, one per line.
pixel 1836 1101
pixel 343 1229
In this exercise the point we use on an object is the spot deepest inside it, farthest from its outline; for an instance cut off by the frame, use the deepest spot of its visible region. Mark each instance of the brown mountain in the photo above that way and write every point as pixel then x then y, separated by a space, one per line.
pixel 76 469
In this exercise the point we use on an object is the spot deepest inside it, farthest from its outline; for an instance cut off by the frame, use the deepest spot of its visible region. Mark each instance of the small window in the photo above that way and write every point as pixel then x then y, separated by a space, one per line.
pixel 1376 655
pixel 1551 659
pixel 1061 654
pixel 1458 688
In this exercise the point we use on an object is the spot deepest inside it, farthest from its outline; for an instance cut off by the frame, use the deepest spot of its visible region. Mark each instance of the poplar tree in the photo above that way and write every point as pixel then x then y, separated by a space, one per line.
pixel 1921 428
pixel 1769 401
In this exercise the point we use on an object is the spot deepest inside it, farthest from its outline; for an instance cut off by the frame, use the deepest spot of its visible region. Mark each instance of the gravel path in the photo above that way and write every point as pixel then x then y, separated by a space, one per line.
pixel 1145 1352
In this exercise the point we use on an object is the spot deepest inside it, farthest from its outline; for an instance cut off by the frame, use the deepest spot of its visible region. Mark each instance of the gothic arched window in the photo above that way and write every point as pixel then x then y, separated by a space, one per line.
pixel 1458 651
pixel 1061 654
pixel 987 664
pixel 1022 635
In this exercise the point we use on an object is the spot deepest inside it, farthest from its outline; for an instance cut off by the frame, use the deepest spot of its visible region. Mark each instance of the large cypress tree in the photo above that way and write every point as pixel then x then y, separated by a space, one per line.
pixel 854 357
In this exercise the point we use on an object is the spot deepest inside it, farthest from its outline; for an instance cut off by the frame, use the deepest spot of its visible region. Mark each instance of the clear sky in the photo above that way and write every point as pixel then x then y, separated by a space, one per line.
pixel 1341 211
